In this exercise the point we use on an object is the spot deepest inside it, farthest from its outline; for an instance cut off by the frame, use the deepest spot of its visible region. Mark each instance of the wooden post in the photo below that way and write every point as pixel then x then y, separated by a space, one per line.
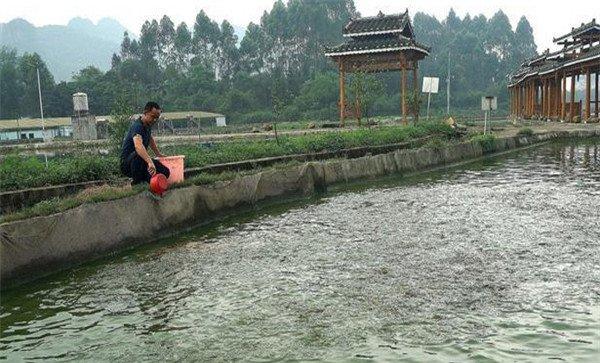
pixel 519 100
pixel 511 94
pixel 550 90
pixel 571 106
pixel 403 81
pixel 544 96
pixel 526 99
pixel 596 98
pixel 415 86
pixel 552 97
pixel 596 91
pixel 564 97
pixel 549 99
pixel 587 93
pixel 531 98
pixel 556 95
pixel 342 94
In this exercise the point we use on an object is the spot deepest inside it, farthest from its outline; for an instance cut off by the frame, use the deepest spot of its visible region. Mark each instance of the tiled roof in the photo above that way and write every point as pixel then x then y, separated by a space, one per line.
pixel 376 45
pixel 378 23
pixel 551 65
pixel 579 30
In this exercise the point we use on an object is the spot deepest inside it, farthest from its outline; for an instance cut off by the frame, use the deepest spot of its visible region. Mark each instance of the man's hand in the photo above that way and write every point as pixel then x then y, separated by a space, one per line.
pixel 151 168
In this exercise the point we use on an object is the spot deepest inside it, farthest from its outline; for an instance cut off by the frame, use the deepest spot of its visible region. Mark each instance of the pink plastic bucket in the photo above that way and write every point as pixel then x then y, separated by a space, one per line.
pixel 175 165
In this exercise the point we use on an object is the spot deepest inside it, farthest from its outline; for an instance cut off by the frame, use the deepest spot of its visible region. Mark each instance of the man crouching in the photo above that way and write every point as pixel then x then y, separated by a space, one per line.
pixel 136 163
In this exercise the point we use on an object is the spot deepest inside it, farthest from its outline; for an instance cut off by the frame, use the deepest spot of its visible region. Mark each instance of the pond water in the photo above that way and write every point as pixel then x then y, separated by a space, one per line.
pixel 497 260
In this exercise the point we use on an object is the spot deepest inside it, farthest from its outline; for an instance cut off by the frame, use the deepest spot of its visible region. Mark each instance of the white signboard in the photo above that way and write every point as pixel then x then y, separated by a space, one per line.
pixel 489 103
pixel 221 121
pixel 430 84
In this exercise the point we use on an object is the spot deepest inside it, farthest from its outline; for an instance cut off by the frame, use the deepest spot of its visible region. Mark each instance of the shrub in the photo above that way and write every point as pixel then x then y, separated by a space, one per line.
pixel 486 141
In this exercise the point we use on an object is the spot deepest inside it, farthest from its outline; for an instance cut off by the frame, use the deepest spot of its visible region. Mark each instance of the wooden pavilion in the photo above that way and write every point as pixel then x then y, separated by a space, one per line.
pixel 539 88
pixel 379 43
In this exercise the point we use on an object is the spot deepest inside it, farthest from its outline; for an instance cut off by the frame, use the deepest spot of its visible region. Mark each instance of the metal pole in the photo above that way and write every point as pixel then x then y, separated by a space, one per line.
pixel 42 113
pixel 485 122
pixel 41 107
pixel 428 101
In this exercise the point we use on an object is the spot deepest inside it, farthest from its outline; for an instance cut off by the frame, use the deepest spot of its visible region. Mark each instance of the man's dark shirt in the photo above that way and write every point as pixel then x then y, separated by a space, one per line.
pixel 137 127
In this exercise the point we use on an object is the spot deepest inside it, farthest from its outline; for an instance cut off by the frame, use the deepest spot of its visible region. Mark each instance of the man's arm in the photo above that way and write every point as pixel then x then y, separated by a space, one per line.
pixel 155 148
pixel 143 153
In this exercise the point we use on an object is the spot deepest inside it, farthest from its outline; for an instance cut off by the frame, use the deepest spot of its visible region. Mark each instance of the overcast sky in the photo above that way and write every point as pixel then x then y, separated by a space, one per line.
pixel 547 17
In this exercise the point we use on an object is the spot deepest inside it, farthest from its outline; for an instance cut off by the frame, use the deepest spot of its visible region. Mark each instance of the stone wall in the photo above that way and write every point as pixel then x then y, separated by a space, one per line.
pixel 33 247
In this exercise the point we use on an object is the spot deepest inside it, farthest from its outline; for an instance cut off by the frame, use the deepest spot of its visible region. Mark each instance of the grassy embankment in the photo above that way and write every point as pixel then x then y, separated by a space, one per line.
pixel 18 172
pixel 35 173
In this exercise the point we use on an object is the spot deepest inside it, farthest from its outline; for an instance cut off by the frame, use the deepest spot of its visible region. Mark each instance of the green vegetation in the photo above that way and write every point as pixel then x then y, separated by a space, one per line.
pixel 57 205
pixel 19 173
pixel 525 131
pixel 105 193
pixel 204 68
pixel 117 129
pixel 486 141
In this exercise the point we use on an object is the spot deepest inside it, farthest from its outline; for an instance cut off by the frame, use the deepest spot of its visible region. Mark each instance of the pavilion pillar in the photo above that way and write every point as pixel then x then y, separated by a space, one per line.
pixel 556 95
pixel 519 100
pixel 587 93
pixel 549 99
pixel 596 91
pixel 544 96
pixel 517 94
pixel 572 104
pixel 517 88
pixel 563 104
pixel 550 95
pixel 415 73
pixel 526 99
pixel 532 92
pixel 342 93
pixel 403 86
pixel 553 98
pixel 512 100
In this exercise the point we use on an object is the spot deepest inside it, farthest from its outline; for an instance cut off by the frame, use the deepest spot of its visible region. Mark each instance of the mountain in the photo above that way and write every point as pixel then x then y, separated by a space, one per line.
pixel 66 48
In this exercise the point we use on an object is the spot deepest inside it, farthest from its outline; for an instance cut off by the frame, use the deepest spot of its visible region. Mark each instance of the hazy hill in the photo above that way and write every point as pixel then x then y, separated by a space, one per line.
pixel 66 49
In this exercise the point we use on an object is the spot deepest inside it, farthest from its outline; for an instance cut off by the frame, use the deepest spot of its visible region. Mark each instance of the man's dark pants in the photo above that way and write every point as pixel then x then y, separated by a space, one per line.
pixel 136 168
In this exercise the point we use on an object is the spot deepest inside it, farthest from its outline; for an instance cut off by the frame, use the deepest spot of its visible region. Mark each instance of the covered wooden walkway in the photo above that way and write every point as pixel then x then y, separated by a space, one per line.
pixel 545 86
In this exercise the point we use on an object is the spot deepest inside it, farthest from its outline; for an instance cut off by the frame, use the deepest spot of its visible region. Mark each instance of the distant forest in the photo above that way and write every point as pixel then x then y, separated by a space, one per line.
pixel 279 62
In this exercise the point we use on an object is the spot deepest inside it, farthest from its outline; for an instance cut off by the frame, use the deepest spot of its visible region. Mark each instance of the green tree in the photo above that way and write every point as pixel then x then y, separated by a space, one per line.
pixel 11 84
pixel 28 66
